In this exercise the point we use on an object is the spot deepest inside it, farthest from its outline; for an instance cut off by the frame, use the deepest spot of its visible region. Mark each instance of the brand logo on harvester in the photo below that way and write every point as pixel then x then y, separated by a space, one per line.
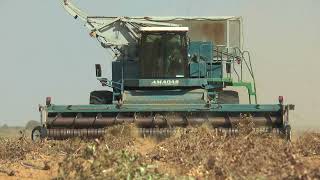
pixel 165 82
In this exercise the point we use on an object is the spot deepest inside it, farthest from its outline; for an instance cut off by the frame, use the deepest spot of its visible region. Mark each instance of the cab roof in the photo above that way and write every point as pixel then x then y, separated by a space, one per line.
pixel 164 29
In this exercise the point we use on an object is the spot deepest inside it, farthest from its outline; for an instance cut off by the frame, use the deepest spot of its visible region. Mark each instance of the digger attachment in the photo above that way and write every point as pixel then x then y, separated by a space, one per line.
pixel 91 121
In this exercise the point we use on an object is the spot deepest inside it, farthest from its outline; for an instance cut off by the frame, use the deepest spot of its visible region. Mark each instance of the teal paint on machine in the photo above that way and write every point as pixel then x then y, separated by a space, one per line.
pixel 224 108
pixel 201 50
pixel 202 56
pixel 197 69
pixel 161 79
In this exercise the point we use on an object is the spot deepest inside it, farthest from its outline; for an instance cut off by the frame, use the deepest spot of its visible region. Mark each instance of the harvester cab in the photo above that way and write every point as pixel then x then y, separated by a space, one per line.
pixel 167 61
pixel 167 72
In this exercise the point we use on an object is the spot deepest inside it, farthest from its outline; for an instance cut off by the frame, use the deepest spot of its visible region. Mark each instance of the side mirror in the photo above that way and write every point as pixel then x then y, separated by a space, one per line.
pixel 98 70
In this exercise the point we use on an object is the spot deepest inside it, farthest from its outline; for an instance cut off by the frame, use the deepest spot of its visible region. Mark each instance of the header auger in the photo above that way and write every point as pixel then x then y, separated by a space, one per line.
pixel 167 72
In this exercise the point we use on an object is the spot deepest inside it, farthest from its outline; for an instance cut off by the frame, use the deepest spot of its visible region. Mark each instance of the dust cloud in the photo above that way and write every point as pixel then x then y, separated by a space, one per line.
pixel 283 39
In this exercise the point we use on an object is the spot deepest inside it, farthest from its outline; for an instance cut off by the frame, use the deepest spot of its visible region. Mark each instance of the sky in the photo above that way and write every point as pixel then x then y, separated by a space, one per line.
pixel 45 52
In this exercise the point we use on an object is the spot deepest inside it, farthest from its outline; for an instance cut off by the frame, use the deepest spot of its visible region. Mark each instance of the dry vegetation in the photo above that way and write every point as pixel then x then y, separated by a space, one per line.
pixel 188 154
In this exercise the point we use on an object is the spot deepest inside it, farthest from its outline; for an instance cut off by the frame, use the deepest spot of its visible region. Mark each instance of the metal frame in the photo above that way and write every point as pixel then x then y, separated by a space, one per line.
pixel 109 108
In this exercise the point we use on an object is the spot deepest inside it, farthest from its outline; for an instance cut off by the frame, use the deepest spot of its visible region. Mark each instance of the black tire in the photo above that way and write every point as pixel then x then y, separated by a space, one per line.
pixel 101 97
pixel 228 97
pixel 37 134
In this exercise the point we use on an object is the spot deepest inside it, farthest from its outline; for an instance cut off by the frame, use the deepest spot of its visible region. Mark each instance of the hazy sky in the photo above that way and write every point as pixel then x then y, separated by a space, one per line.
pixel 44 52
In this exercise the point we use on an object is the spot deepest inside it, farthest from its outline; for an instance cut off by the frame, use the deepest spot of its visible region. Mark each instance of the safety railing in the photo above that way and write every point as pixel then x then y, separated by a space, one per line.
pixel 239 63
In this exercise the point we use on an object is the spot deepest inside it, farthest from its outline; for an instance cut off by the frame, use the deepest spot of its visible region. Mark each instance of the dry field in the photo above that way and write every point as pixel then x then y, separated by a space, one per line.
pixel 197 153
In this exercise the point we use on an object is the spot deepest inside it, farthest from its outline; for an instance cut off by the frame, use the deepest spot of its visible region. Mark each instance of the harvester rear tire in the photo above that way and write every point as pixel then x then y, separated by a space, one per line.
pixel 228 97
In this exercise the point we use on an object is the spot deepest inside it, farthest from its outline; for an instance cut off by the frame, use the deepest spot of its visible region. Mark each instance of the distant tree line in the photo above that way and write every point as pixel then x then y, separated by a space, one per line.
pixel 30 125
pixel 4 126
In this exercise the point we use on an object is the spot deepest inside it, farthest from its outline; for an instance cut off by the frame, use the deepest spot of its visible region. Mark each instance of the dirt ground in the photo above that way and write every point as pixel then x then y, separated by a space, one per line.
pixel 192 153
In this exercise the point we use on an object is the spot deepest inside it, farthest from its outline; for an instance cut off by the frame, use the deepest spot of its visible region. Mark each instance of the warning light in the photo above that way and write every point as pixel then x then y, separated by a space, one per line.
pixel 48 101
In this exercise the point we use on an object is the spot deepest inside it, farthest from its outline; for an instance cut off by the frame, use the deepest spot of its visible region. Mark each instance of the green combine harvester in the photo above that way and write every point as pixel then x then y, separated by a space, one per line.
pixel 167 72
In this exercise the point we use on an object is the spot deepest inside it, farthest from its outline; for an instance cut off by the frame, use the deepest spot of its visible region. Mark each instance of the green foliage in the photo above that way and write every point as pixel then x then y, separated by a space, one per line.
pixel 99 162
pixel 111 157
pixel 4 126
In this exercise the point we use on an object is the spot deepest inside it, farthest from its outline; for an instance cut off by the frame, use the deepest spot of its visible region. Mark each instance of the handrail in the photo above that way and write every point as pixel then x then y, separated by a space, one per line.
pixel 244 59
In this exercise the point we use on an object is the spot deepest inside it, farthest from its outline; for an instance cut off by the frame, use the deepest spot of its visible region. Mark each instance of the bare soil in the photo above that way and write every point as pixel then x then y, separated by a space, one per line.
pixel 192 153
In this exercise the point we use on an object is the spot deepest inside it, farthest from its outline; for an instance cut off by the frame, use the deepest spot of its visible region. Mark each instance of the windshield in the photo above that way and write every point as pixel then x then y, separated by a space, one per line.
pixel 163 55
